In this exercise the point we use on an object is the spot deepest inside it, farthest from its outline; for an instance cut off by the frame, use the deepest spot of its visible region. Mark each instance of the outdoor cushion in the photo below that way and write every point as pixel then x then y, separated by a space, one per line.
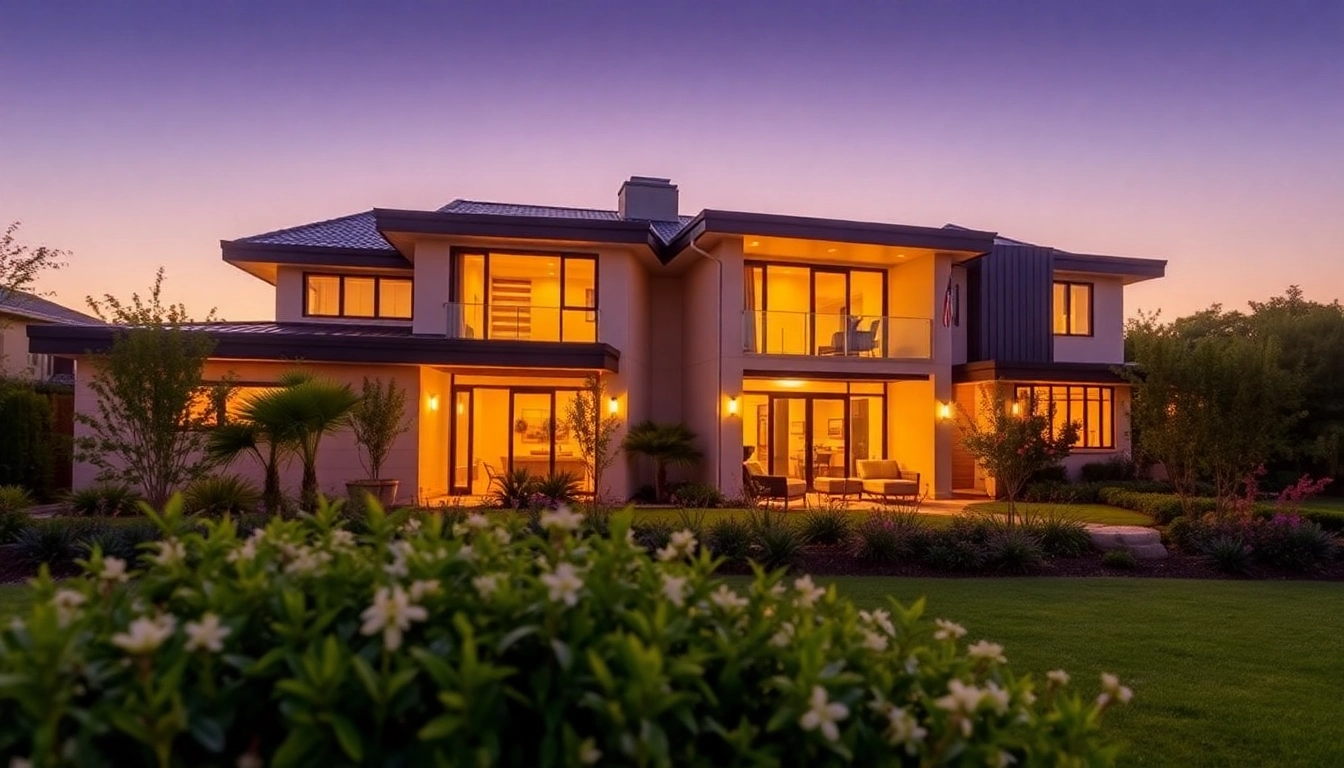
pixel 891 487
pixel 840 485
pixel 754 468
pixel 879 469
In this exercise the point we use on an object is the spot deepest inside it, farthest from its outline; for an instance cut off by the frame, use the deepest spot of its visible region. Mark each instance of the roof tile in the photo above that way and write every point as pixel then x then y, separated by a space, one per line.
pixel 356 230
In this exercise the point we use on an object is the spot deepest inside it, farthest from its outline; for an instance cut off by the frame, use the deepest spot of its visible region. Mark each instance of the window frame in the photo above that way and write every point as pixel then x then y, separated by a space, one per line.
pixel 377 295
pixel 459 253
pixel 1091 393
pixel 1068 308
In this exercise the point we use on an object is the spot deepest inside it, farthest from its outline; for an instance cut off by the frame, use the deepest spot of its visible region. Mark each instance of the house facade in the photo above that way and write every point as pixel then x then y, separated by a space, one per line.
pixel 805 344
pixel 18 311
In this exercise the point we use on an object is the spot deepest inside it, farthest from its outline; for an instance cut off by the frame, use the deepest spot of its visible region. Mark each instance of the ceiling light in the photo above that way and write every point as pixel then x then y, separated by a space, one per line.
pixel 755 243
pixel 830 250
pixel 790 383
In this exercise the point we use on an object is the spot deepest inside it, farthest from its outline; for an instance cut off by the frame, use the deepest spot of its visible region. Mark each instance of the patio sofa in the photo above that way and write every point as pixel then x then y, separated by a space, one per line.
pixel 884 478
pixel 772 487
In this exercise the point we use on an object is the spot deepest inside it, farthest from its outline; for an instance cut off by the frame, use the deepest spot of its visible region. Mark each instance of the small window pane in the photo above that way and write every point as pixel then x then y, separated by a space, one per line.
pixel 359 296
pixel 580 283
pixel 1061 308
pixel 324 295
pixel 579 325
pixel 1080 309
pixel 394 298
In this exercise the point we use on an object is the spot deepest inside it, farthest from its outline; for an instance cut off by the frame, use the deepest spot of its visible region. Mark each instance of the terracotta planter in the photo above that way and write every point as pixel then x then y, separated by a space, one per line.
pixel 385 491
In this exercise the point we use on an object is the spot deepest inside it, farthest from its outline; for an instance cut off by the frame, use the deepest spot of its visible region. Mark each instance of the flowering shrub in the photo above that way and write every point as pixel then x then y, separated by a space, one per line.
pixel 426 643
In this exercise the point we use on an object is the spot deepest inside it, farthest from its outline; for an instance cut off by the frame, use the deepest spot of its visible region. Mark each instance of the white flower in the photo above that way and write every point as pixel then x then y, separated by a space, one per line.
pixel 960 697
pixel 902 727
pixel 423 587
pixel 808 593
pixel 342 539
pixel 476 522
pixel 398 568
pixel 145 635
pixel 874 641
pixel 249 760
pixel 948 630
pixel 588 752
pixel 911 665
pixel 777 590
pixel 207 634
pixel 391 613
pixel 995 696
pixel 486 585
pixel 1057 677
pixel 246 552
pixel 987 651
pixel 114 569
pixel 674 589
pixel 727 599
pixel 878 618
pixel 1113 690
pixel 502 536
pixel 823 714
pixel 306 560
pixel 67 603
pixel 682 544
pixel 1005 759
pixel 412 525
pixel 783 636
pixel 20 762
pixel 563 584
pixel 562 518
pixel 171 552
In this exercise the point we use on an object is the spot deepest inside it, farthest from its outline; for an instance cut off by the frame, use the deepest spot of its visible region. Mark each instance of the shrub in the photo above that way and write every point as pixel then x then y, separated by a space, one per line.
pixel 1120 467
pixel 121 541
pixel 301 647
pixel 976 529
pixel 697 496
pixel 1059 536
pixel 888 537
pixel 1290 542
pixel 514 489
pixel 1120 560
pixel 730 539
pixel 652 535
pixel 45 544
pixel 827 527
pixel 104 500
pixel 1055 473
pixel 27 449
pixel 1014 550
pixel 1229 553
pixel 558 488
pixel 1181 533
pixel 777 542
pixel 217 495
pixel 1162 507
pixel 948 551
pixel 14 498
pixel 12 523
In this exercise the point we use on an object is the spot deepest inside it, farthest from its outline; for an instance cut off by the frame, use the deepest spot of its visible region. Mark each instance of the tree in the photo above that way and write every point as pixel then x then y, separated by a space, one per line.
pixel 593 429
pixel 667 444
pixel 21 265
pixel 377 420
pixel 1014 442
pixel 246 435
pixel 299 414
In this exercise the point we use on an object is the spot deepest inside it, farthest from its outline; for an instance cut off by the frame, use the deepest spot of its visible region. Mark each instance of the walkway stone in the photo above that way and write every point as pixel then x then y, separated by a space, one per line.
pixel 1145 543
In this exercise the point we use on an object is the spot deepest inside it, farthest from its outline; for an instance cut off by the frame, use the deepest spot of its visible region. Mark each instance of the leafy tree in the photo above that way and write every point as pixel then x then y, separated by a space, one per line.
pixel 146 428
pixel 377 420
pixel 245 435
pixel 1014 442
pixel 21 265
pixel 667 444
pixel 299 414
pixel 594 429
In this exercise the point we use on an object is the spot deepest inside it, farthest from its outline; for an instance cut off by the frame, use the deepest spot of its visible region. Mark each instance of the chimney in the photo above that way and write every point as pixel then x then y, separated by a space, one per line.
pixel 648 198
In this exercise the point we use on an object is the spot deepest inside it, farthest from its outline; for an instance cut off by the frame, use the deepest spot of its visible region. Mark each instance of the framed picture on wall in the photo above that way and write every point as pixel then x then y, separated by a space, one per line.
pixel 535 425
pixel 835 428
pixel 762 424
pixel 797 428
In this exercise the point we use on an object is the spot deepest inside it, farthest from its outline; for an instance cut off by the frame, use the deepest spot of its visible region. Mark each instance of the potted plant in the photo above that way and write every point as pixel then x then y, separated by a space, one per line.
pixel 377 419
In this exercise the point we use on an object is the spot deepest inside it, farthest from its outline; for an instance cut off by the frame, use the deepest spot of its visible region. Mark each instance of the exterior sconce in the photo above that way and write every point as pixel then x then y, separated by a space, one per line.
pixel 944 411
pixel 433 402
pixel 613 406
pixel 1017 408
pixel 732 406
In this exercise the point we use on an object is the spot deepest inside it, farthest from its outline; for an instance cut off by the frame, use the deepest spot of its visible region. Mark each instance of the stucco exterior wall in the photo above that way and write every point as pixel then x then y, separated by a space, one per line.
pixel 701 392
pixel 667 319
pixel 1107 342
pixel 13 348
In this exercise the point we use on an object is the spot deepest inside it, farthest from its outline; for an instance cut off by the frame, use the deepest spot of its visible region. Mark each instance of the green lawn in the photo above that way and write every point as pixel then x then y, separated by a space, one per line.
pixel 1087 513
pixel 1224 673
pixel 13 598
pixel 708 517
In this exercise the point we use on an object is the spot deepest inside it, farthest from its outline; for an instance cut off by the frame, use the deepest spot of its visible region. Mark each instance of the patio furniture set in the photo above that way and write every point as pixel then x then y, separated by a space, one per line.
pixel 881 479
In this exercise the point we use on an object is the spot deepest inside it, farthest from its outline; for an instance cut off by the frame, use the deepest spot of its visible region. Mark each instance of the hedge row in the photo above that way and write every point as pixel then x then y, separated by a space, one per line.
pixel 1165 507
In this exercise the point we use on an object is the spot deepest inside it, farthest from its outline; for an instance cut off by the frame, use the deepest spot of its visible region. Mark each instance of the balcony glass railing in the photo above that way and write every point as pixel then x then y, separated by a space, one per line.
pixel 502 322
pixel 771 332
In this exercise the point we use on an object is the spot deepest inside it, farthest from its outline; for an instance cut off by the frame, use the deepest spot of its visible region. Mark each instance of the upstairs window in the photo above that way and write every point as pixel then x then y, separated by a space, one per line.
pixel 363 296
pixel 1073 309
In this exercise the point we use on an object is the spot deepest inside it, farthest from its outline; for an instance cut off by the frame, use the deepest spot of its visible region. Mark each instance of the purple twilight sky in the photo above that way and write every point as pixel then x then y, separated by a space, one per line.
pixel 1209 133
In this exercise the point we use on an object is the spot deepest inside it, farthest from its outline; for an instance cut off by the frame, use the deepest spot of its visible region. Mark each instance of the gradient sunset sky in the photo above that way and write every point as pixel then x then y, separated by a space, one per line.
pixel 1210 133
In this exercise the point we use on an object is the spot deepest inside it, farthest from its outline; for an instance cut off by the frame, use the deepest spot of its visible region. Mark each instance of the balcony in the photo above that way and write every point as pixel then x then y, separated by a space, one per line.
pixel 511 322
pixel 771 332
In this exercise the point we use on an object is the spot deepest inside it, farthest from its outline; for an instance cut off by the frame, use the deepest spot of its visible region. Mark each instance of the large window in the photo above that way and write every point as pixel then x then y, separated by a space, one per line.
pixel 363 296
pixel 524 297
pixel 804 310
pixel 1092 408
pixel 1073 309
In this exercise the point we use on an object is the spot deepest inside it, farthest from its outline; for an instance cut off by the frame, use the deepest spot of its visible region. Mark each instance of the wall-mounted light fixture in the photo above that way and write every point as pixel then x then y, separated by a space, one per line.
pixel 461 408
pixel 613 406
pixel 1017 408
pixel 433 402
pixel 944 410
pixel 732 406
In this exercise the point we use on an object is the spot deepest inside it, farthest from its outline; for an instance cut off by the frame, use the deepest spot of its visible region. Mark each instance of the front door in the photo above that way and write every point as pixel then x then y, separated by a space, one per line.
pixel 807 436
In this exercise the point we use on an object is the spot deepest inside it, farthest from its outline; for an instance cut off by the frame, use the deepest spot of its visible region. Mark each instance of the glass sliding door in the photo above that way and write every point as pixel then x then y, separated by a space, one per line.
pixel 805 436
pixel 499 429
pixel 814 310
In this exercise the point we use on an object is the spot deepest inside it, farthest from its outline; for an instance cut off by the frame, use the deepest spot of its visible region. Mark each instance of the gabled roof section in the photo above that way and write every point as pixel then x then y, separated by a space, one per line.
pixel 356 231
pixel 26 305
pixel 663 231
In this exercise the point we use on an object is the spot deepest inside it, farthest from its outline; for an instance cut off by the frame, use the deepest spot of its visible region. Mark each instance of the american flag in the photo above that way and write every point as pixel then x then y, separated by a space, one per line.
pixel 947 304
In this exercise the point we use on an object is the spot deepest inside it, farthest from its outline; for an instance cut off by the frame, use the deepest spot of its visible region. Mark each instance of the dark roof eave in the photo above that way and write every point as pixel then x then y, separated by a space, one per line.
pixel 837 230
pixel 1126 266
pixel 521 227
pixel 241 252
pixel 1082 373
pixel 320 348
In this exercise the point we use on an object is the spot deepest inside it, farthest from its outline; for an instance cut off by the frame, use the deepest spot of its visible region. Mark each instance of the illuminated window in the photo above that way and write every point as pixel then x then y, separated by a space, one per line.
pixel 525 296
pixel 1091 408
pixel 357 296
pixel 1073 309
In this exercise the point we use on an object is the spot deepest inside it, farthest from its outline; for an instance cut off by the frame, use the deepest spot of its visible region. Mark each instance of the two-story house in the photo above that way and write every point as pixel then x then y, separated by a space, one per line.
pixel 20 310
pixel 807 344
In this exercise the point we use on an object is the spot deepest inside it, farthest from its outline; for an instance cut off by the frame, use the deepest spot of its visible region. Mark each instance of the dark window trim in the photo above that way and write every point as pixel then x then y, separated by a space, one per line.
pixel 470 389
pixel 1090 393
pixel 813 269
pixel 377 295
pixel 1068 307
pixel 457 253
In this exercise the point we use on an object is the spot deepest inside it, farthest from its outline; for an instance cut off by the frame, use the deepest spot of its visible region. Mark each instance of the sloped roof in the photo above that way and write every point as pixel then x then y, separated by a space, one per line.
pixel 663 230
pixel 33 307
pixel 356 230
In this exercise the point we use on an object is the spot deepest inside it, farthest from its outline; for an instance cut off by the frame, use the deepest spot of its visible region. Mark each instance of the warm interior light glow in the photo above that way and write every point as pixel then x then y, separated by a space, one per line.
pixel 945 410
pixel 732 406
pixel 433 402
pixel 1017 408
pixel 790 383
pixel 613 406
pixel 461 409
pixel 755 243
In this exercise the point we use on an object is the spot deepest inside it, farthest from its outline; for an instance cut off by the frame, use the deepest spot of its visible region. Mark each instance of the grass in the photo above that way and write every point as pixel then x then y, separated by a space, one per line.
pixel 679 517
pixel 13 599
pixel 1224 673
pixel 1086 513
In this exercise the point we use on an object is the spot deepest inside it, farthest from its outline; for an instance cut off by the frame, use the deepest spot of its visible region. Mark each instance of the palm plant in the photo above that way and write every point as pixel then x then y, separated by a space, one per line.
pixel 300 413
pixel 667 444
pixel 246 435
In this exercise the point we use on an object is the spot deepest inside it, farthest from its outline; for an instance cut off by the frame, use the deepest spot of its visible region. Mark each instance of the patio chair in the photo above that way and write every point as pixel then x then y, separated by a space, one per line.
pixel 865 341
pixel 772 487
pixel 884 479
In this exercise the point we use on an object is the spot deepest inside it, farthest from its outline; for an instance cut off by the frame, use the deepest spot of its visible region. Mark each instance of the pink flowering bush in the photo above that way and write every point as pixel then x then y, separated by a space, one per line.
pixel 425 642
